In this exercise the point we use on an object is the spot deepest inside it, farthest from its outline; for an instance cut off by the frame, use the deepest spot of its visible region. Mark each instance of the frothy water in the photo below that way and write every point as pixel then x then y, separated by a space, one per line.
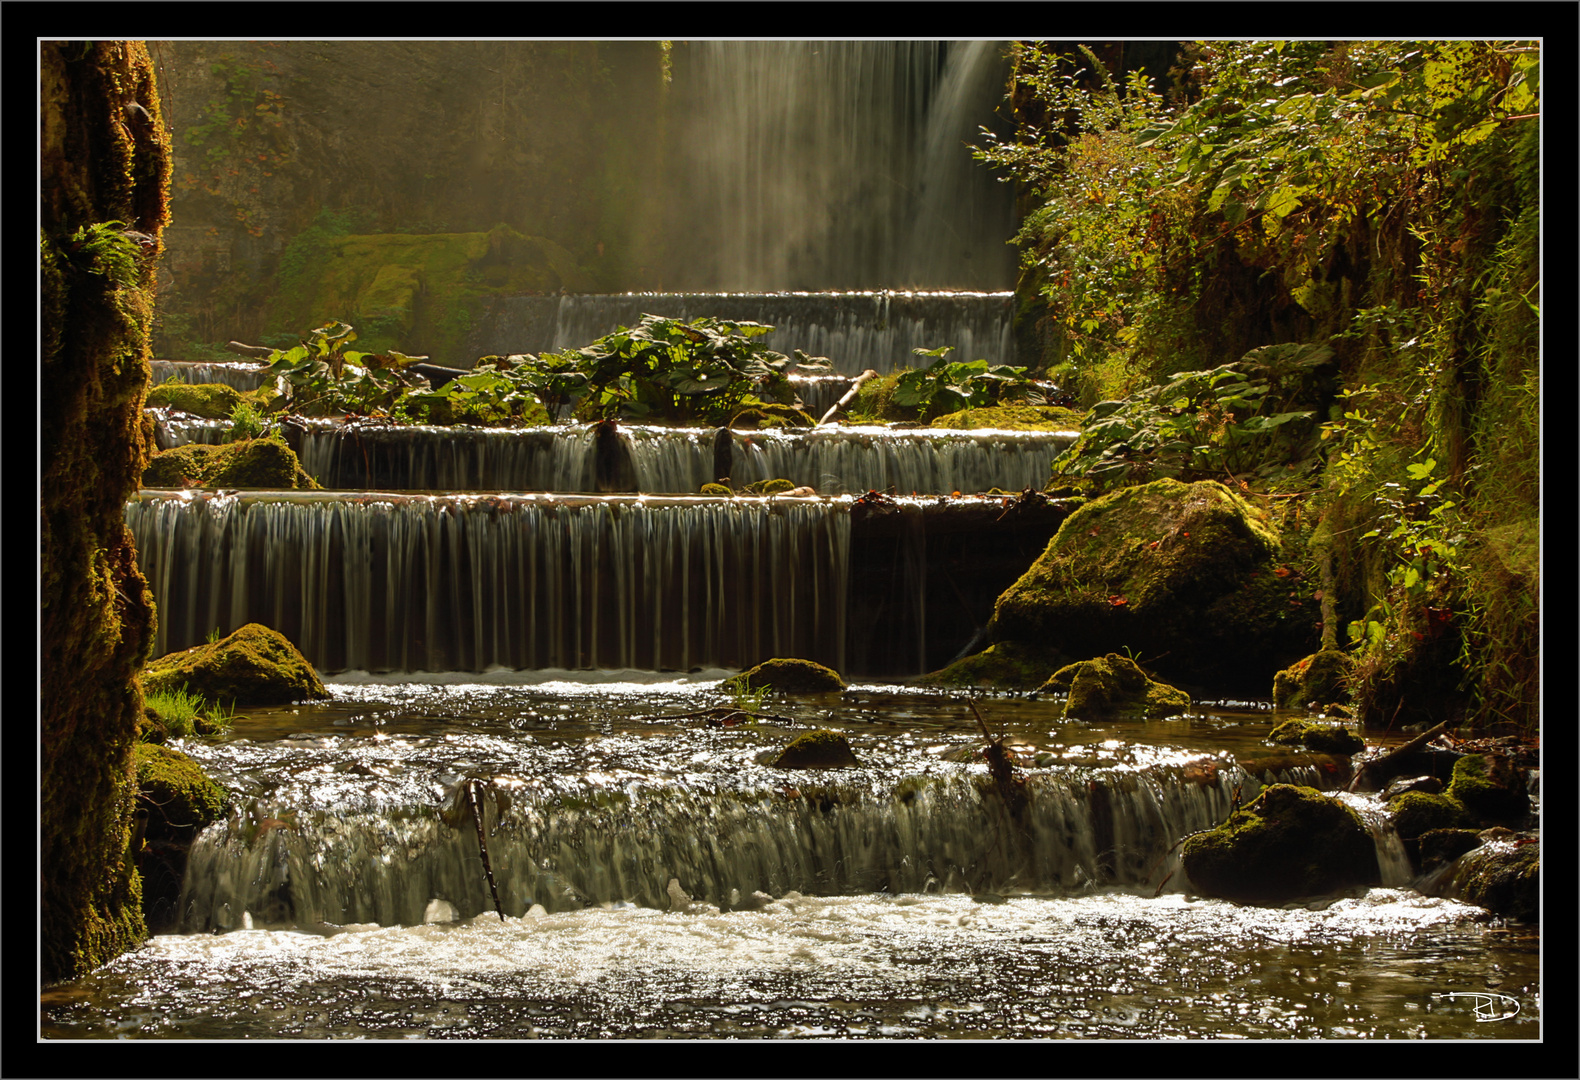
pixel 660 878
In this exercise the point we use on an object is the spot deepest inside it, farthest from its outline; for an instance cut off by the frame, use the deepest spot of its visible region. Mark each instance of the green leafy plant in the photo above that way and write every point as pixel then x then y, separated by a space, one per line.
pixel 946 386
pixel 247 423
pixel 325 377
pixel 1239 418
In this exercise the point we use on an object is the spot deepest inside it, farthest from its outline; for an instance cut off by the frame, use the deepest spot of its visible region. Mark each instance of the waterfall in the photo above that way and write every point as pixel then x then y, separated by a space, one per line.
pixel 413 583
pixel 833 460
pixel 568 841
pixel 855 330
pixel 240 376
pixel 805 165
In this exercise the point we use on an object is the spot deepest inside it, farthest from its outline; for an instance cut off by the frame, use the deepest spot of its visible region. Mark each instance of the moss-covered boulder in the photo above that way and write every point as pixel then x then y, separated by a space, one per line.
pixel 1114 685
pixel 819 749
pixel 1440 846
pixel 791 676
pixel 211 401
pixel 1315 680
pixel 1322 738
pixel 776 486
pixel 716 489
pixel 176 800
pixel 1012 418
pixel 1416 813
pixel 1490 787
pixel 1007 665
pixel 1189 573
pixel 250 463
pixel 254 666
pixel 1502 876
pixel 1289 842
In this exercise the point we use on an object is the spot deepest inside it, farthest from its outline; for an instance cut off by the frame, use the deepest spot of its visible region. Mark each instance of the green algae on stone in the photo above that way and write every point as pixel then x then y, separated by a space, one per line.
pixel 1182 572
pixel 790 675
pixel 265 464
pixel 1490 787
pixel 1416 813
pixel 1006 665
pixel 1114 685
pixel 1315 680
pixel 1288 843
pixel 821 749
pixel 1012 418
pixel 1322 738
pixel 253 666
pixel 715 489
pixel 211 401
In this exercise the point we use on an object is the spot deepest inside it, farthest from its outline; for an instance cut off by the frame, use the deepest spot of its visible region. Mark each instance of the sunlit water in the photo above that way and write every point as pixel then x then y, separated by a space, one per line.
pixel 962 948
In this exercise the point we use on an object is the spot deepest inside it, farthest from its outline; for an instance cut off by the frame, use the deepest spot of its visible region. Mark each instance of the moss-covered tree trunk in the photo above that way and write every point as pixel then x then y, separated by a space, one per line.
pixel 105 161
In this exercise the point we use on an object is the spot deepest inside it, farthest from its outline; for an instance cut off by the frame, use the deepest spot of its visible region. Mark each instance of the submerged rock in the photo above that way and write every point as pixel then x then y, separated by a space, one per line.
pixel 1114 685
pixel 817 750
pixel 1007 665
pixel 1322 738
pixel 1289 842
pixel 791 676
pixel 1490 787
pixel 1190 573
pixel 1504 876
pixel 253 666
pixel 1316 680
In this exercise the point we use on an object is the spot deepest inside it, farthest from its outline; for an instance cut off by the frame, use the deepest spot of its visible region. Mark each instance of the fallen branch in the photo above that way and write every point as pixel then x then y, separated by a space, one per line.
pixel 850 394
pixel 1414 744
pixel 467 799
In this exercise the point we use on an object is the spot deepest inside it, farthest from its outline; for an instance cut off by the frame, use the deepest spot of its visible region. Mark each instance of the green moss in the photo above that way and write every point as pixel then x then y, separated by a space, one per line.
pixel 1114 685
pixel 253 666
pixel 176 789
pixel 817 750
pixel 771 487
pixel 1488 786
pixel 1315 680
pixel 266 464
pixel 1182 572
pixel 211 401
pixel 1289 842
pixel 1013 418
pixel 716 489
pixel 1504 878
pixel 1006 665
pixel 1416 812
pixel 1319 737
pixel 791 676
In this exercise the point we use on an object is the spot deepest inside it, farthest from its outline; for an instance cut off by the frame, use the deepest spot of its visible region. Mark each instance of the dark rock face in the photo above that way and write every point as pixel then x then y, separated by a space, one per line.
pixel 1289 842
pixel 1491 788
pixel 253 666
pixel 817 750
pixel 1183 572
pixel 105 167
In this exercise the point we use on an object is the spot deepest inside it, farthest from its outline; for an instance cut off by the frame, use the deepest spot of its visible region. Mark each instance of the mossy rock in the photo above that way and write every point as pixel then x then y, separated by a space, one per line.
pixel 266 464
pixel 1007 665
pixel 1322 738
pixel 1114 685
pixel 819 749
pixel 1416 813
pixel 254 666
pixel 179 795
pixel 791 676
pixel 1184 572
pixel 1503 877
pixel 211 401
pixel 1289 842
pixel 716 489
pixel 1490 787
pixel 1439 846
pixel 1315 680
pixel 1012 418
pixel 771 487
